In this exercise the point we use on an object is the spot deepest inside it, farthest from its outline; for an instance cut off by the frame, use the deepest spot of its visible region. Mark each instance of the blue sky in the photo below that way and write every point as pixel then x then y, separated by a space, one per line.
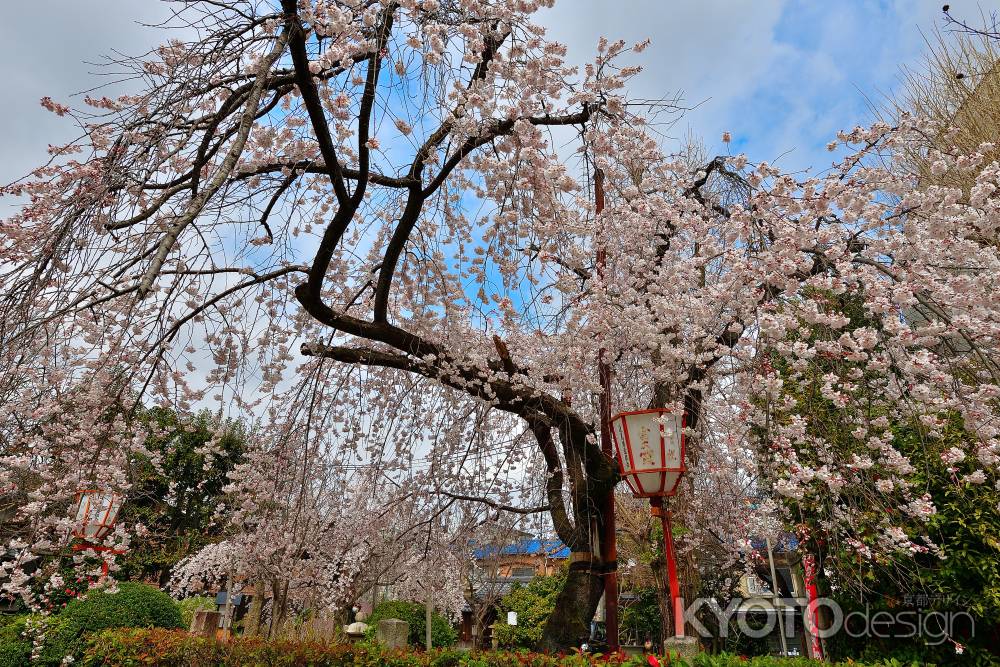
pixel 782 76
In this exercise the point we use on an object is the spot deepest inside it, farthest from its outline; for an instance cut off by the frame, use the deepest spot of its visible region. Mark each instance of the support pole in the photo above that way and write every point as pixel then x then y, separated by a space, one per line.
pixel 429 605
pixel 428 617
pixel 778 605
pixel 227 619
pixel 101 550
pixel 609 539
pixel 670 555
pixel 812 610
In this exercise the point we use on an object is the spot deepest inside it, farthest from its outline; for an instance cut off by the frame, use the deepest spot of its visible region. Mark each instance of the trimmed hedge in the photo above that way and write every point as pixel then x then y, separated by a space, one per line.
pixel 533 604
pixel 135 605
pixel 163 648
pixel 15 651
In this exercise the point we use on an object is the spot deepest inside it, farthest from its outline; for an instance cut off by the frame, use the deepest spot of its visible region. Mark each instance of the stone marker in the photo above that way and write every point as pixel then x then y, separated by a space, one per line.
pixel 392 632
pixel 204 623
pixel 681 647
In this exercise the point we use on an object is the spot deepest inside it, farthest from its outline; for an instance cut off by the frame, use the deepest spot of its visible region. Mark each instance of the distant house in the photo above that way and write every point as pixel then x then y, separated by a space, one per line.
pixel 761 602
pixel 525 558
pixel 498 568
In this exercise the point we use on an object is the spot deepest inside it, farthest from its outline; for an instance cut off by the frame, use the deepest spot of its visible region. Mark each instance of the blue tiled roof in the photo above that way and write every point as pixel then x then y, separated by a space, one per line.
pixel 786 542
pixel 527 547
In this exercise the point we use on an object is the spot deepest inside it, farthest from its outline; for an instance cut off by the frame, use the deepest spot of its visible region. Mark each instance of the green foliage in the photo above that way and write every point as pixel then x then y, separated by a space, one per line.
pixel 414 613
pixel 134 605
pixel 967 529
pixel 533 604
pixel 641 617
pixel 966 525
pixel 188 607
pixel 177 500
pixel 15 650
pixel 161 648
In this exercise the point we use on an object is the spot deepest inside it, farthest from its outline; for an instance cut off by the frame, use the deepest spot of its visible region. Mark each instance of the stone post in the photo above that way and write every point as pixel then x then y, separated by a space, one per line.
pixel 392 632
pixel 685 648
pixel 204 623
pixel 355 631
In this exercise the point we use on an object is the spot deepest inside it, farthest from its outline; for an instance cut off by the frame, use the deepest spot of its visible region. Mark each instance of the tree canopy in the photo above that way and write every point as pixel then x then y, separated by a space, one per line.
pixel 370 225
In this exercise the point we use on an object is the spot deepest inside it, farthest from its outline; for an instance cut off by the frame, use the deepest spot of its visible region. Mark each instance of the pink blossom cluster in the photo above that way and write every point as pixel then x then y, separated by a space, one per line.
pixel 412 317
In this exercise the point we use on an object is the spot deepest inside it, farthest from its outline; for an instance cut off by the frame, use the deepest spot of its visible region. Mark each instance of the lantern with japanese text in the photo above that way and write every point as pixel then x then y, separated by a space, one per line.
pixel 650 449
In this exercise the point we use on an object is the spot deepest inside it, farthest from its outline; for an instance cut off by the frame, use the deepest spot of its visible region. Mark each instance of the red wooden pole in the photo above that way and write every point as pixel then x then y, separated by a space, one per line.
pixel 99 548
pixel 809 566
pixel 609 543
pixel 670 554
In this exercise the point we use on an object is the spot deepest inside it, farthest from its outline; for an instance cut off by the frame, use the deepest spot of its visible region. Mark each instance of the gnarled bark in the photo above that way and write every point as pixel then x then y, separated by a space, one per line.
pixel 569 624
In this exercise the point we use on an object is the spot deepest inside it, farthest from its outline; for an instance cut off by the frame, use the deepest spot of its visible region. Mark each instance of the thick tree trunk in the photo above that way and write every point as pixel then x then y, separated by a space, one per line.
pixel 255 616
pixel 591 475
pixel 569 624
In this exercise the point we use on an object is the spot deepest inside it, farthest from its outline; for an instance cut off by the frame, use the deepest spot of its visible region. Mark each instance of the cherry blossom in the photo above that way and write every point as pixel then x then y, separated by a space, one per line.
pixel 413 321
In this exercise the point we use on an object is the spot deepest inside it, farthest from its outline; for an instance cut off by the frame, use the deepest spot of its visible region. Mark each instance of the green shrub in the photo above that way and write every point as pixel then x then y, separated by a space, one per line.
pixel 15 651
pixel 533 604
pixel 642 618
pixel 164 648
pixel 189 606
pixel 134 605
pixel 442 632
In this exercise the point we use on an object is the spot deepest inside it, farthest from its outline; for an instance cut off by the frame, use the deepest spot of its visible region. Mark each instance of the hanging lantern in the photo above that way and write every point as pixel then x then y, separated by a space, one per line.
pixel 96 513
pixel 650 449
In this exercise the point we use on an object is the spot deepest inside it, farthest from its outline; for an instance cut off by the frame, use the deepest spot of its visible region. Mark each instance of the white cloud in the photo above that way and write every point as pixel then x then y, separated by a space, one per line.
pixel 710 51
pixel 782 76
pixel 779 75
pixel 45 48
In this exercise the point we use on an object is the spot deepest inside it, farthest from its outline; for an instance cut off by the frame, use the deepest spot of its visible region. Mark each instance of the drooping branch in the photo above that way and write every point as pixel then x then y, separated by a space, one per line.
pixel 495 505
pixel 542 412
pixel 313 167
pixel 197 203
pixel 348 205
pixel 516 398
pixel 414 205
pixel 311 99
pixel 382 32
pixel 417 196
pixel 570 534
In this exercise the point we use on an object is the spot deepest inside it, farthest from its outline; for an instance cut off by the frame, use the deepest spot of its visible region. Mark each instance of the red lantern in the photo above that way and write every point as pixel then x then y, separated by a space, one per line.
pixel 650 449
pixel 96 513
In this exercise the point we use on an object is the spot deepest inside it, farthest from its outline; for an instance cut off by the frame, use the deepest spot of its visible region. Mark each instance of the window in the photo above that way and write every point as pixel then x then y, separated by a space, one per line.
pixel 757 586
pixel 523 572
pixel 761 585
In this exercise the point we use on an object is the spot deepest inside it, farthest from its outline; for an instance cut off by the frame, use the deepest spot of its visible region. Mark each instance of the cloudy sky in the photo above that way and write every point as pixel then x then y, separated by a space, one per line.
pixel 782 77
